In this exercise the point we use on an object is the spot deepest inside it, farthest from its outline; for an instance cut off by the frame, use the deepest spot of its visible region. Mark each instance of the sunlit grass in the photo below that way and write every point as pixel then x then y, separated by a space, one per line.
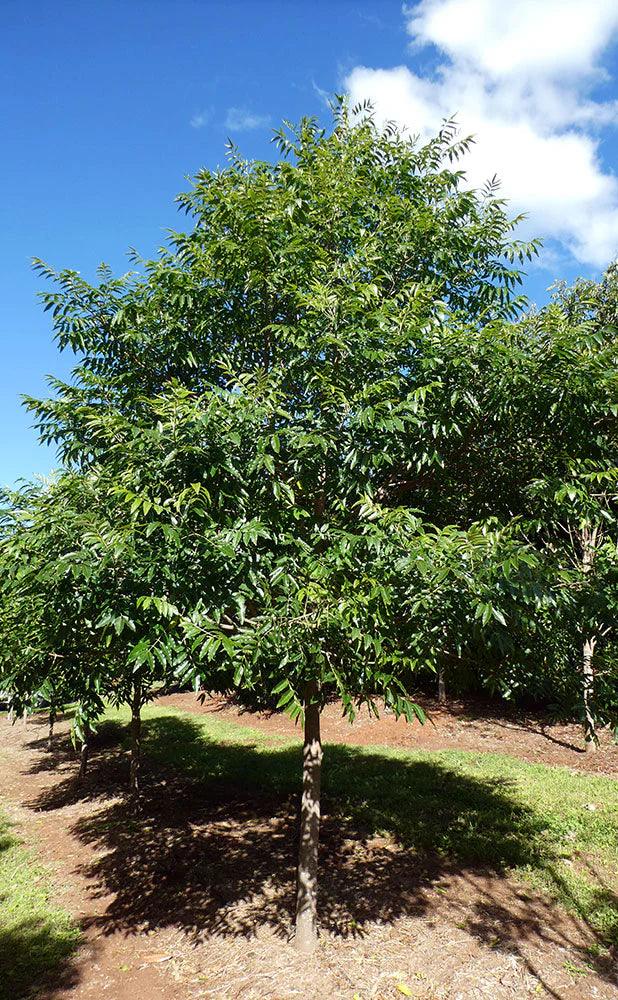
pixel 36 936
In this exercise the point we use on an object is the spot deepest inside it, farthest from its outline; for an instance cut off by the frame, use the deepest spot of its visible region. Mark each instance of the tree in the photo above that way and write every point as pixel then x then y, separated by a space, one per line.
pixel 358 331
pixel 77 625
pixel 49 645
pixel 576 495
pixel 338 313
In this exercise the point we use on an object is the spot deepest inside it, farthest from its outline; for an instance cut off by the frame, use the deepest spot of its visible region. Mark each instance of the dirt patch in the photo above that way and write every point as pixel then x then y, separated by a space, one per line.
pixel 114 965
pixel 191 895
pixel 458 726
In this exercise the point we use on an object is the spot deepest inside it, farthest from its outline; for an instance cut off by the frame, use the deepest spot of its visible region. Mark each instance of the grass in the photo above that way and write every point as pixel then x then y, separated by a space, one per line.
pixel 36 937
pixel 555 829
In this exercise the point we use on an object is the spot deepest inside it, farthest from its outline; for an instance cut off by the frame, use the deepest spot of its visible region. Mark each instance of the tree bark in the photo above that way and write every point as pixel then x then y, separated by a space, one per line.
pixel 590 536
pixel 84 753
pixel 136 739
pixel 50 735
pixel 306 894
pixel 591 738
pixel 441 686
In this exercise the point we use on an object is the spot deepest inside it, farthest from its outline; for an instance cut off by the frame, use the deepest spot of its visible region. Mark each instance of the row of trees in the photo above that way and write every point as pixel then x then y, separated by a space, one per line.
pixel 318 447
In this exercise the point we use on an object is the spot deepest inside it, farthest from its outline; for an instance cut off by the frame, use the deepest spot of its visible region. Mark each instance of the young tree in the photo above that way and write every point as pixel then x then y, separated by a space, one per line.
pixel 339 311
pixel 576 495
pixel 49 647
pixel 74 627
pixel 367 393
pixel 581 540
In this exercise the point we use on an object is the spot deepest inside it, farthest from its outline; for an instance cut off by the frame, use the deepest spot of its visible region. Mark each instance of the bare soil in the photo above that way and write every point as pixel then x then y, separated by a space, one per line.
pixel 455 726
pixel 191 895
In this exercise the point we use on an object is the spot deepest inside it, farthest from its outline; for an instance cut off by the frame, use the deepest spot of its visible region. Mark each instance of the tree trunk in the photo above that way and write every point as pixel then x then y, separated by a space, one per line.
pixel 50 735
pixel 306 894
pixel 441 686
pixel 84 753
pixel 590 733
pixel 590 537
pixel 136 739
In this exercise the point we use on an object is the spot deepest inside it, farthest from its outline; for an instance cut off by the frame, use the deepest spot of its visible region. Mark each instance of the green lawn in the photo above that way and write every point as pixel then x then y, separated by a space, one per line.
pixel 553 828
pixel 36 937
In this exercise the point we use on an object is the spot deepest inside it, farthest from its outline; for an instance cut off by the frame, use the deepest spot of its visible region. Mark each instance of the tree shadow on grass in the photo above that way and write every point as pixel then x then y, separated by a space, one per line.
pixel 35 946
pixel 212 848
pixel 34 957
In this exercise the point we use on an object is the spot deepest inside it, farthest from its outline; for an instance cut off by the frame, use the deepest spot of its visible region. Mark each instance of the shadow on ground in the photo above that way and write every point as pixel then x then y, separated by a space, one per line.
pixel 32 955
pixel 212 848
pixel 35 948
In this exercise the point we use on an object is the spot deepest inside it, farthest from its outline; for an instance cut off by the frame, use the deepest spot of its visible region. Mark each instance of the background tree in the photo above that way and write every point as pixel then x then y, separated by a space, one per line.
pixel 50 642
pixel 576 355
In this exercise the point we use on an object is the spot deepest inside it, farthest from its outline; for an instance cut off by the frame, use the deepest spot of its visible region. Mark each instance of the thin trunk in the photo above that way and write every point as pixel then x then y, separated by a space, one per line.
pixel 50 735
pixel 590 732
pixel 84 753
pixel 306 893
pixel 590 537
pixel 441 686
pixel 136 739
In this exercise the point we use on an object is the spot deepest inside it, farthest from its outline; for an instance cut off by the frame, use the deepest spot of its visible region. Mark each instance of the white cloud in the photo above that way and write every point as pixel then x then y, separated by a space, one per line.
pixel 527 37
pixel 518 76
pixel 200 119
pixel 241 120
pixel 325 95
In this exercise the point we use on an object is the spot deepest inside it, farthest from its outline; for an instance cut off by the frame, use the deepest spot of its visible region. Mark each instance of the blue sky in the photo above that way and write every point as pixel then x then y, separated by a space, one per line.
pixel 108 107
